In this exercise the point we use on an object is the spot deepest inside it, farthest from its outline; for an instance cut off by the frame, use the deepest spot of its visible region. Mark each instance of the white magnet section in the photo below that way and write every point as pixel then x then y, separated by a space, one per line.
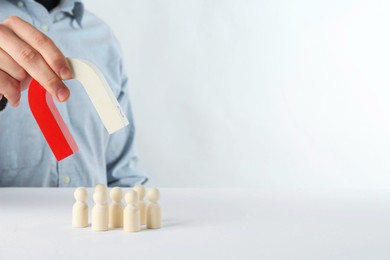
pixel 100 93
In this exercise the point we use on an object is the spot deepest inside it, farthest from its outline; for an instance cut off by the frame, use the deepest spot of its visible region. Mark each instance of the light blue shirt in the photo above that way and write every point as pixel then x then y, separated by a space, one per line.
pixel 25 157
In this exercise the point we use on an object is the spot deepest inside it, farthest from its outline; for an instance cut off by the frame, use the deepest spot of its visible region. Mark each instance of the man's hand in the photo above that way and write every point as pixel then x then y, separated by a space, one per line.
pixel 24 52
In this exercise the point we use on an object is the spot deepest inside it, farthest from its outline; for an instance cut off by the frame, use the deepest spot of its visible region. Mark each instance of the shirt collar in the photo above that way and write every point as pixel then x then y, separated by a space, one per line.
pixel 71 8
pixel 68 5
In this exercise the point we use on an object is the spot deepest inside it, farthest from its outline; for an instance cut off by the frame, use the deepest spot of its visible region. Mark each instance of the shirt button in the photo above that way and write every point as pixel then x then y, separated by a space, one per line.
pixel 44 27
pixel 20 3
pixel 66 179
pixel 57 18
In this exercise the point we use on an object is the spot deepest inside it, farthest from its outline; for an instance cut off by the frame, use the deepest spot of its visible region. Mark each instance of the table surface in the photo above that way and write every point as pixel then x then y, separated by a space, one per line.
pixel 35 223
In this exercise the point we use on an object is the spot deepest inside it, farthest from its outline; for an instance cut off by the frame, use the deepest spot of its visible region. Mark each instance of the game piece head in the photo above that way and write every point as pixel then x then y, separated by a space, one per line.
pixel 100 186
pixel 116 194
pixel 100 197
pixel 81 194
pixel 140 189
pixel 131 196
pixel 153 195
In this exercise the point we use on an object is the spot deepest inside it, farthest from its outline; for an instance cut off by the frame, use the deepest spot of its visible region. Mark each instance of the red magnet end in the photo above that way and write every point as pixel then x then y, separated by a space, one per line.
pixel 50 121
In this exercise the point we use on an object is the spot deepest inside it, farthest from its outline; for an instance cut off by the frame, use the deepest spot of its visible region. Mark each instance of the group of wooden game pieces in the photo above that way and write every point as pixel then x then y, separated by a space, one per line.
pixel 105 217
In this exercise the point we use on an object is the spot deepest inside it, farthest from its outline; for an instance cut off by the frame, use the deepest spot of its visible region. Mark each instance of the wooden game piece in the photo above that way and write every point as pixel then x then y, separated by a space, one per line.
pixel 140 189
pixel 131 213
pixel 102 187
pixel 115 211
pixel 100 211
pixel 153 210
pixel 80 208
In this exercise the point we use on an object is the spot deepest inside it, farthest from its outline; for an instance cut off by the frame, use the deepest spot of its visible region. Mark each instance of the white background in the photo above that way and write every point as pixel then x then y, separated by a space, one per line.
pixel 281 93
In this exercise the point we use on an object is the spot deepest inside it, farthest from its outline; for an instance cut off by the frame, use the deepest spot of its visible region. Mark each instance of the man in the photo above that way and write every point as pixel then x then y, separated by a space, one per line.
pixel 35 38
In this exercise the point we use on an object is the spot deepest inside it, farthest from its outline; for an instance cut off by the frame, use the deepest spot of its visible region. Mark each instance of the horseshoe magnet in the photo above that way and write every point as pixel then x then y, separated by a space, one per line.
pixel 50 121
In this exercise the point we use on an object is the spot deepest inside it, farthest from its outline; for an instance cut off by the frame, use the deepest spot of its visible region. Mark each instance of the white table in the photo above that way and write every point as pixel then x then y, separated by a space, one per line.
pixel 35 223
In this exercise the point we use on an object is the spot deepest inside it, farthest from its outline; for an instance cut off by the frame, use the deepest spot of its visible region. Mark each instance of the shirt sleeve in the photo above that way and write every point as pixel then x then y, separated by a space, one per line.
pixel 121 156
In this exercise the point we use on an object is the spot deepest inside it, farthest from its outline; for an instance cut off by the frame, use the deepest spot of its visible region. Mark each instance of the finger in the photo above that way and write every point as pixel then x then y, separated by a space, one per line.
pixel 25 83
pixel 43 44
pixel 31 60
pixel 10 88
pixel 10 66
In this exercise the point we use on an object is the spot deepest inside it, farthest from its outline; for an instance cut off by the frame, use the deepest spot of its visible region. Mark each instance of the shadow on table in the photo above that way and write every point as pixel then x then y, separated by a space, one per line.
pixel 166 223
